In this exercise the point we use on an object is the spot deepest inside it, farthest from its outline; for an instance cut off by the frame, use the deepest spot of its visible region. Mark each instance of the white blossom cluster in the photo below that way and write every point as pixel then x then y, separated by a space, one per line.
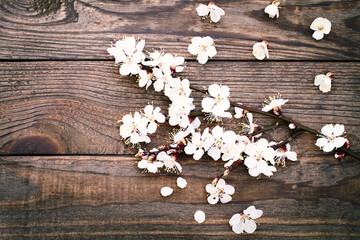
pixel 156 159
pixel 135 127
pixel 158 69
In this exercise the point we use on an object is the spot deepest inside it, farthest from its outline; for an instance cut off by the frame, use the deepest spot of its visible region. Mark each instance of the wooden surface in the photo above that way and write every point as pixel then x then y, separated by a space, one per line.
pixel 65 174
pixel 68 29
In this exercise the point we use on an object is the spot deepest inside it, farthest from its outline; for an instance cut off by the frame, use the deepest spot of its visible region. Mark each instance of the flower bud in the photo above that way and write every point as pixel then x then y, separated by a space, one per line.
pixel 330 75
pixel 140 154
pixel 347 144
pixel 173 151
pixel 163 147
pixel 215 181
pixel 151 157
pixel 226 172
pixel 339 154
pixel 182 143
pixel 292 126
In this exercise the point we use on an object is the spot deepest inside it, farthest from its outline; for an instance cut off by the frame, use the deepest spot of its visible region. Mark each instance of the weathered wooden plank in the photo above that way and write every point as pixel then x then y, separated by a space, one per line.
pixel 83 29
pixel 107 196
pixel 72 107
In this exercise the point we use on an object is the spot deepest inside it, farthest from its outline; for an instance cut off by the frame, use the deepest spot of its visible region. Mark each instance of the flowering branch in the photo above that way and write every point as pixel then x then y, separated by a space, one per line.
pixel 298 125
pixel 258 154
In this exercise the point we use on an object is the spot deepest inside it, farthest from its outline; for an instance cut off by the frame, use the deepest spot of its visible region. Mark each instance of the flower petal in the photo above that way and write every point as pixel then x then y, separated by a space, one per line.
pixel 329 147
pixel 208 41
pixel 214 15
pixel 262 166
pixel 199 216
pixel 214 90
pixel 213 198
pixel 211 51
pixel 318 35
pixel 250 162
pixel 166 191
pixel 202 10
pixel 338 129
pixel 207 104
pixel 239 227
pixel 181 182
pixel 210 188
pixel 202 57
pixel 256 214
pixel 190 149
pixel 214 152
pixel 152 127
pixel 254 172
pixel 225 198
pixel 321 142
pixel 228 189
pixel 198 154
pixel 249 226
pixel 194 49
pixel 339 142
pixel 235 219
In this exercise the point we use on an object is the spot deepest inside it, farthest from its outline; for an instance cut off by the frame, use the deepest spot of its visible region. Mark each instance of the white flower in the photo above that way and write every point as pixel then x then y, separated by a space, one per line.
pixel 179 89
pixel 221 138
pixel 129 53
pixel 181 182
pixel 321 26
pixel 244 221
pixel 232 150
pixel 170 162
pixel 135 128
pixel 203 48
pixel 274 104
pixel 221 191
pixel 250 126
pixel 260 50
pixel 199 216
pixel 179 136
pixel 324 82
pixel 331 137
pixel 239 112
pixel 199 144
pixel 273 9
pixel 218 103
pixel 166 191
pixel 154 116
pixel 258 154
pixel 283 153
pixel 175 63
pixel 158 59
pixel 179 111
pixel 145 79
pixel 163 77
pixel 150 166
pixel 211 9
pixel 155 61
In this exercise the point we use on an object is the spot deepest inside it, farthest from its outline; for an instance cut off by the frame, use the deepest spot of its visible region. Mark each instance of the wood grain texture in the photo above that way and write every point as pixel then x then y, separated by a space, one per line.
pixel 108 197
pixel 67 29
pixel 72 107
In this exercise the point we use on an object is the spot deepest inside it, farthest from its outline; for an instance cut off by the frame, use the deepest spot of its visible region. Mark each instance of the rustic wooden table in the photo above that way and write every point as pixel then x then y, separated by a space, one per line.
pixel 64 173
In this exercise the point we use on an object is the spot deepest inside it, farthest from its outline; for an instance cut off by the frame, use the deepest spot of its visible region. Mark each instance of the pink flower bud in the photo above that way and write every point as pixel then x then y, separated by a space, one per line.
pixel 215 181
pixel 163 147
